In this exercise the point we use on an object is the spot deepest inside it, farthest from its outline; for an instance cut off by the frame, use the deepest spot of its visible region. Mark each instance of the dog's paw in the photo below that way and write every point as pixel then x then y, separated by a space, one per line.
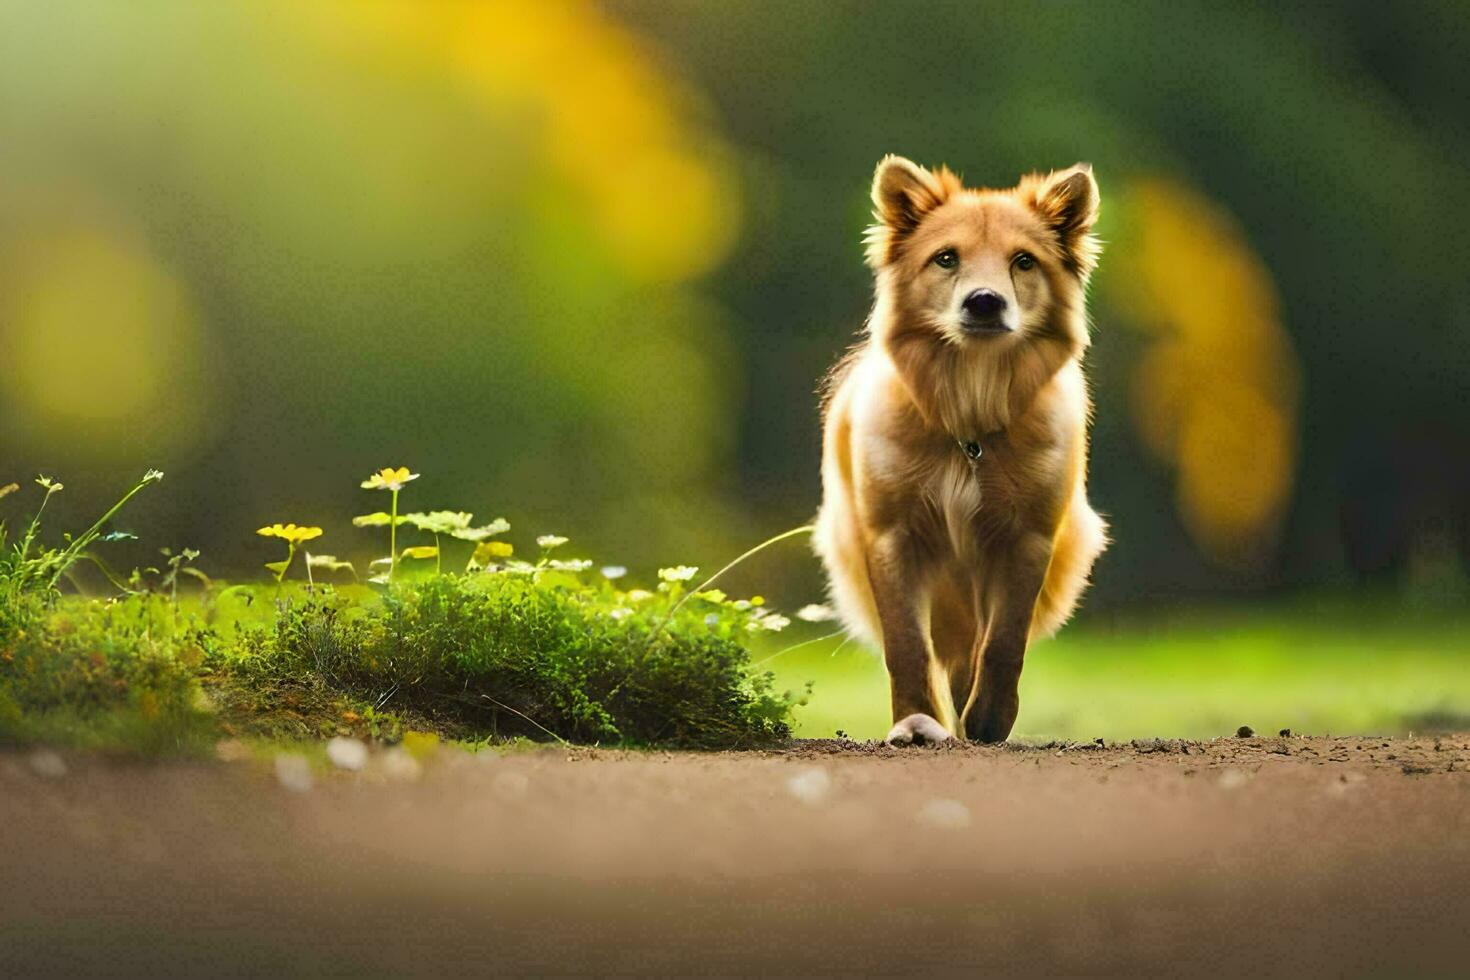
pixel 918 729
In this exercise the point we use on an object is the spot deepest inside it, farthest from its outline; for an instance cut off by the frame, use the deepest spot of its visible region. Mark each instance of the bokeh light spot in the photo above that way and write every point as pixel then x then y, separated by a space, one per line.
pixel 100 346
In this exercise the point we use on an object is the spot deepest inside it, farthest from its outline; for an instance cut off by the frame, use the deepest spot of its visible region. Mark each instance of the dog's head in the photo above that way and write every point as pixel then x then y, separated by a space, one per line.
pixel 982 269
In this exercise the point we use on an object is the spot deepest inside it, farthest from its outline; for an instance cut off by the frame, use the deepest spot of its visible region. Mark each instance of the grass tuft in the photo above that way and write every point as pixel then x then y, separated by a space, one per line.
pixel 526 655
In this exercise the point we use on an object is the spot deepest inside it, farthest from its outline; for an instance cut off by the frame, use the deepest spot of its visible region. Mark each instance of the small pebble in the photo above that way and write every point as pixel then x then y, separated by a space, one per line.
pixel 400 766
pixel 810 786
pixel 511 785
pixel 47 764
pixel 347 753
pixel 1285 733
pixel 945 814
pixel 1233 779
pixel 1245 731
pixel 231 750
pixel 293 772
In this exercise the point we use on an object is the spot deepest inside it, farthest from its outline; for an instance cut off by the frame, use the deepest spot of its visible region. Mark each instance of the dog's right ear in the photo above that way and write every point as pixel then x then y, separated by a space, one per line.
pixel 903 192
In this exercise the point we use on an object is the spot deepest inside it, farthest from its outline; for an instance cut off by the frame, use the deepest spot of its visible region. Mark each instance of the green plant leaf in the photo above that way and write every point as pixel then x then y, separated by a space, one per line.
pixel 196 573
pixel 329 562
pixel 421 551
pixel 439 521
pixel 498 526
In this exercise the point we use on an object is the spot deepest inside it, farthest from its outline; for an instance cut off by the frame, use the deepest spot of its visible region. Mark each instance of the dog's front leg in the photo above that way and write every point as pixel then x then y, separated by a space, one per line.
pixel 901 594
pixel 1007 603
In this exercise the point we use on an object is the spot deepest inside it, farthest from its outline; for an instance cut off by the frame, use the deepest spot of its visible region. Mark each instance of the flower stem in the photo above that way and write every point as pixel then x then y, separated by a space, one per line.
pixel 668 616
pixel 30 534
pixel 69 556
pixel 393 537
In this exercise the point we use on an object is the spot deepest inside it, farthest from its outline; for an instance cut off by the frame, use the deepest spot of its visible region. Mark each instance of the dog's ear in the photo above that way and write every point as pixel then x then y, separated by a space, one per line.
pixel 1067 201
pixel 903 192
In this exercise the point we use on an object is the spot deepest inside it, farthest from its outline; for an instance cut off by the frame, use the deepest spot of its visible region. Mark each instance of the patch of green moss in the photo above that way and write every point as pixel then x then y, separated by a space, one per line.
pixel 108 675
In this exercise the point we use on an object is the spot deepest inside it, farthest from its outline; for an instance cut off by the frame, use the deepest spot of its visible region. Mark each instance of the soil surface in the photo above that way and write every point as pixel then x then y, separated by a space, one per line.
pixel 1239 856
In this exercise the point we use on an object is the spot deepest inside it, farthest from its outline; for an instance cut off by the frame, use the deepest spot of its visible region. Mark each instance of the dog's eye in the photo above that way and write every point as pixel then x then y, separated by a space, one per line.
pixel 1025 260
pixel 946 258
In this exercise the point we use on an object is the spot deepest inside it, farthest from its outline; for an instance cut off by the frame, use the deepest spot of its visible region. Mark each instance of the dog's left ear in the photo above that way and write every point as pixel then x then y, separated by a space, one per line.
pixel 1068 202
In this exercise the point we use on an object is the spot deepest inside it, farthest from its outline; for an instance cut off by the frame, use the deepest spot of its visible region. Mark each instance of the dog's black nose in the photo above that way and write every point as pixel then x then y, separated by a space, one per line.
pixel 985 304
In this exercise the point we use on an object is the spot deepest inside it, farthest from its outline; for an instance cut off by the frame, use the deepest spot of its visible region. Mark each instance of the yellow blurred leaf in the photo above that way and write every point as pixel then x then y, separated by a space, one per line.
pixel 420 745
pixel 1215 394
pixel 488 550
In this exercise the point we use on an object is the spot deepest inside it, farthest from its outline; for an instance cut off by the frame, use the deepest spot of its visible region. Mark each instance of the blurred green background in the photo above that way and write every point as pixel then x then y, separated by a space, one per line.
pixel 582 265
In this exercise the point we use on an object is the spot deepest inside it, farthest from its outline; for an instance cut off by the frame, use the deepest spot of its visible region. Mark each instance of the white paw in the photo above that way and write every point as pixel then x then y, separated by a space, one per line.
pixel 918 729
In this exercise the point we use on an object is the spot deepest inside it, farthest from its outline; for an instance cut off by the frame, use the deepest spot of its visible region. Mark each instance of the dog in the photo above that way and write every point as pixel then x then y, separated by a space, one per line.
pixel 954 524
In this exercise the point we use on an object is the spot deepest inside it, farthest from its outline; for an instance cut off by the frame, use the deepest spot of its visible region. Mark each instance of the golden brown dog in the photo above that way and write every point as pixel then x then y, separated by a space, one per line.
pixel 955 524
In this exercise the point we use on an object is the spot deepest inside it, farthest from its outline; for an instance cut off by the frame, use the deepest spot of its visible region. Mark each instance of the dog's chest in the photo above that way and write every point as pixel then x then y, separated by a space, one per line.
pixel 973 497
pixel 957 491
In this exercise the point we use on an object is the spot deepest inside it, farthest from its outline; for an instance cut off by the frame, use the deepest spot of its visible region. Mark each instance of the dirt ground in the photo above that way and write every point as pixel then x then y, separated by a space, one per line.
pixel 1283 856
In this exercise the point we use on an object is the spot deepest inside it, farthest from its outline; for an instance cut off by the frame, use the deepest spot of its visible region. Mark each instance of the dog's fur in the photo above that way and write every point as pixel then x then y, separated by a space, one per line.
pixel 955 565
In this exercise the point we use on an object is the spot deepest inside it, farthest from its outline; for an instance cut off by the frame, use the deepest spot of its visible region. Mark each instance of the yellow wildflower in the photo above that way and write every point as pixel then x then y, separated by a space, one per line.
pixel 389 478
pixel 290 533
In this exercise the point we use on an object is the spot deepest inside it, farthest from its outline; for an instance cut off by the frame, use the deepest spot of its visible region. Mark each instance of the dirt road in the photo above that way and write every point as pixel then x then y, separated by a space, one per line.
pixel 1286 856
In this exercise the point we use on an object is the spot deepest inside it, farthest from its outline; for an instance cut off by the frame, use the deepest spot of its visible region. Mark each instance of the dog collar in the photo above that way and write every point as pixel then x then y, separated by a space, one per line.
pixel 971 449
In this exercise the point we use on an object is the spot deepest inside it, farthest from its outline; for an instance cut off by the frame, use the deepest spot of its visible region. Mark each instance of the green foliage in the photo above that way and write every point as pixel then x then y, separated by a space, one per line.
pixel 103 674
pixel 511 647
pixel 537 654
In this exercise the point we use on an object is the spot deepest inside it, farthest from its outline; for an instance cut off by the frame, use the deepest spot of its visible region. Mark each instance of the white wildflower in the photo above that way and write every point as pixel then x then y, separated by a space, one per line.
pixel 775 622
pixel 569 564
pixel 816 612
